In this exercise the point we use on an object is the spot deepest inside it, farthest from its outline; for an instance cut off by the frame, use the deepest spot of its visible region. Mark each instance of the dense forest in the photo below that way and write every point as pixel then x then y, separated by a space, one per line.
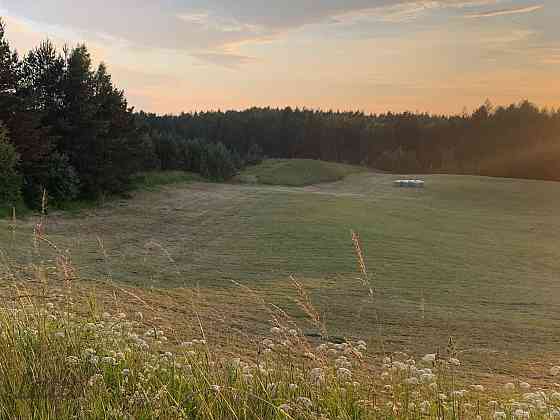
pixel 66 130
pixel 515 141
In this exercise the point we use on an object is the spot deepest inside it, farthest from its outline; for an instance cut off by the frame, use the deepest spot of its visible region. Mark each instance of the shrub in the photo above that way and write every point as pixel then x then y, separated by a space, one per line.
pixel 63 183
pixel 10 181
pixel 58 179
pixel 212 160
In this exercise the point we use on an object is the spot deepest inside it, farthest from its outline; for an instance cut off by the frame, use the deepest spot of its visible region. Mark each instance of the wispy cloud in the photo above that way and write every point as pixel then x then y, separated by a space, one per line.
pixel 224 59
pixel 504 12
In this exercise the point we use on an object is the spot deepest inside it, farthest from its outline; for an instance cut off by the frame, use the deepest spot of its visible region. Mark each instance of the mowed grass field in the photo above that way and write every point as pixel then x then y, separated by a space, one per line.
pixel 474 258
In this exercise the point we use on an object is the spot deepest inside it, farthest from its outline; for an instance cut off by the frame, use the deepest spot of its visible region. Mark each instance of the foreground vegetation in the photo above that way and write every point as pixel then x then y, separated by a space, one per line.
pixel 72 359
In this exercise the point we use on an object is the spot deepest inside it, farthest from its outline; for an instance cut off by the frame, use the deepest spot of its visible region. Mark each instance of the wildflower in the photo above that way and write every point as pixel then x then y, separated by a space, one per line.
pixel 125 372
pixel 454 362
pixel 429 358
pixel 478 388
pixel 139 316
pixel 292 387
pixel 293 332
pixel 50 305
pixel 498 415
pixel 275 330
pixel 108 360
pixel 72 360
pixel 215 388
pixel 361 343
pixel 388 388
pixel 442 397
pixel 425 406
pixel 412 381
pixel 555 370
pixel 309 355
pixel 187 344
pixel 95 379
pixel 520 414
pixel 317 375
pixel 121 315
pixel 344 374
pixel 59 334
pixel 509 386
pixel 340 361
pixel 321 348
pixel 427 378
pixel 459 393
pixel 305 402
pixel 524 386
pixel 386 361
pixel 267 342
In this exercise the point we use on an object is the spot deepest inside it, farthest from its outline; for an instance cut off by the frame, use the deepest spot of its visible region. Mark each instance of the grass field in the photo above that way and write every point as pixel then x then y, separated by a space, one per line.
pixel 469 257
pixel 297 172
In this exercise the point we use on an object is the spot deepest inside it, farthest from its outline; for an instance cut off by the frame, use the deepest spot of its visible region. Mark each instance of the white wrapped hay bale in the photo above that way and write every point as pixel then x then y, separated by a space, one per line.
pixel 409 183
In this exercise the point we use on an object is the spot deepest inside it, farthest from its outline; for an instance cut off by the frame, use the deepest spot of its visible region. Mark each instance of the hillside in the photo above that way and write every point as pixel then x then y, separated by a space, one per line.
pixel 469 257
pixel 297 172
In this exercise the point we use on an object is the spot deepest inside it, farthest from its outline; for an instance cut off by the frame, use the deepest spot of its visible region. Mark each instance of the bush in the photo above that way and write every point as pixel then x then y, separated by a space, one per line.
pixel 63 183
pixel 59 179
pixel 212 160
pixel 10 181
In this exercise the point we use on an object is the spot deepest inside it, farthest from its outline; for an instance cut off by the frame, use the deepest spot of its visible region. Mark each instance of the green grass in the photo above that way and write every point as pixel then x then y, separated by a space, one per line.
pixel 470 257
pixel 297 172
pixel 156 179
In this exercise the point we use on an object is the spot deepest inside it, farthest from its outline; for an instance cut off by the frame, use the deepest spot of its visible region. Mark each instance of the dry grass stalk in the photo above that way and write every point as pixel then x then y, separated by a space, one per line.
pixel 361 263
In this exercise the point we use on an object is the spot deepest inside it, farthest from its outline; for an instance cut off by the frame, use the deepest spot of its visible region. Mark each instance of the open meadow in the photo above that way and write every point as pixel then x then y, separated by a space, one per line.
pixel 473 258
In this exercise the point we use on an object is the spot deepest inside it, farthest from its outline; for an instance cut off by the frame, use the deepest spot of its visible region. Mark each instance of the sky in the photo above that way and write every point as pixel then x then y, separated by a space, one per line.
pixel 437 56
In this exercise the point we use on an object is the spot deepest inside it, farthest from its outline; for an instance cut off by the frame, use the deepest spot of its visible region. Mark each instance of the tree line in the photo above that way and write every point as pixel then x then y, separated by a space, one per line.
pixel 66 130
pixel 519 140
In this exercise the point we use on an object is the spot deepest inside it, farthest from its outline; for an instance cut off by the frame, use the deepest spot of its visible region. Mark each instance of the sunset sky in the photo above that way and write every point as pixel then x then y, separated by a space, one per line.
pixel 371 55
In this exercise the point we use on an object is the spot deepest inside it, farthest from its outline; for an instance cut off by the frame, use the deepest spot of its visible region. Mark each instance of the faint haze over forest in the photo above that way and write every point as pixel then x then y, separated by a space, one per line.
pixel 372 55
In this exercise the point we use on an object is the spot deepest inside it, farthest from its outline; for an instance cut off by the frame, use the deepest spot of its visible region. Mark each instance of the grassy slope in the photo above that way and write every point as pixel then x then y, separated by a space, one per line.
pixel 476 258
pixel 298 172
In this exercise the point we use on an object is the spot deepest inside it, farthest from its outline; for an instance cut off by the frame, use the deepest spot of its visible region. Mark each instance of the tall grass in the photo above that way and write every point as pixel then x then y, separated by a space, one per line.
pixel 60 359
